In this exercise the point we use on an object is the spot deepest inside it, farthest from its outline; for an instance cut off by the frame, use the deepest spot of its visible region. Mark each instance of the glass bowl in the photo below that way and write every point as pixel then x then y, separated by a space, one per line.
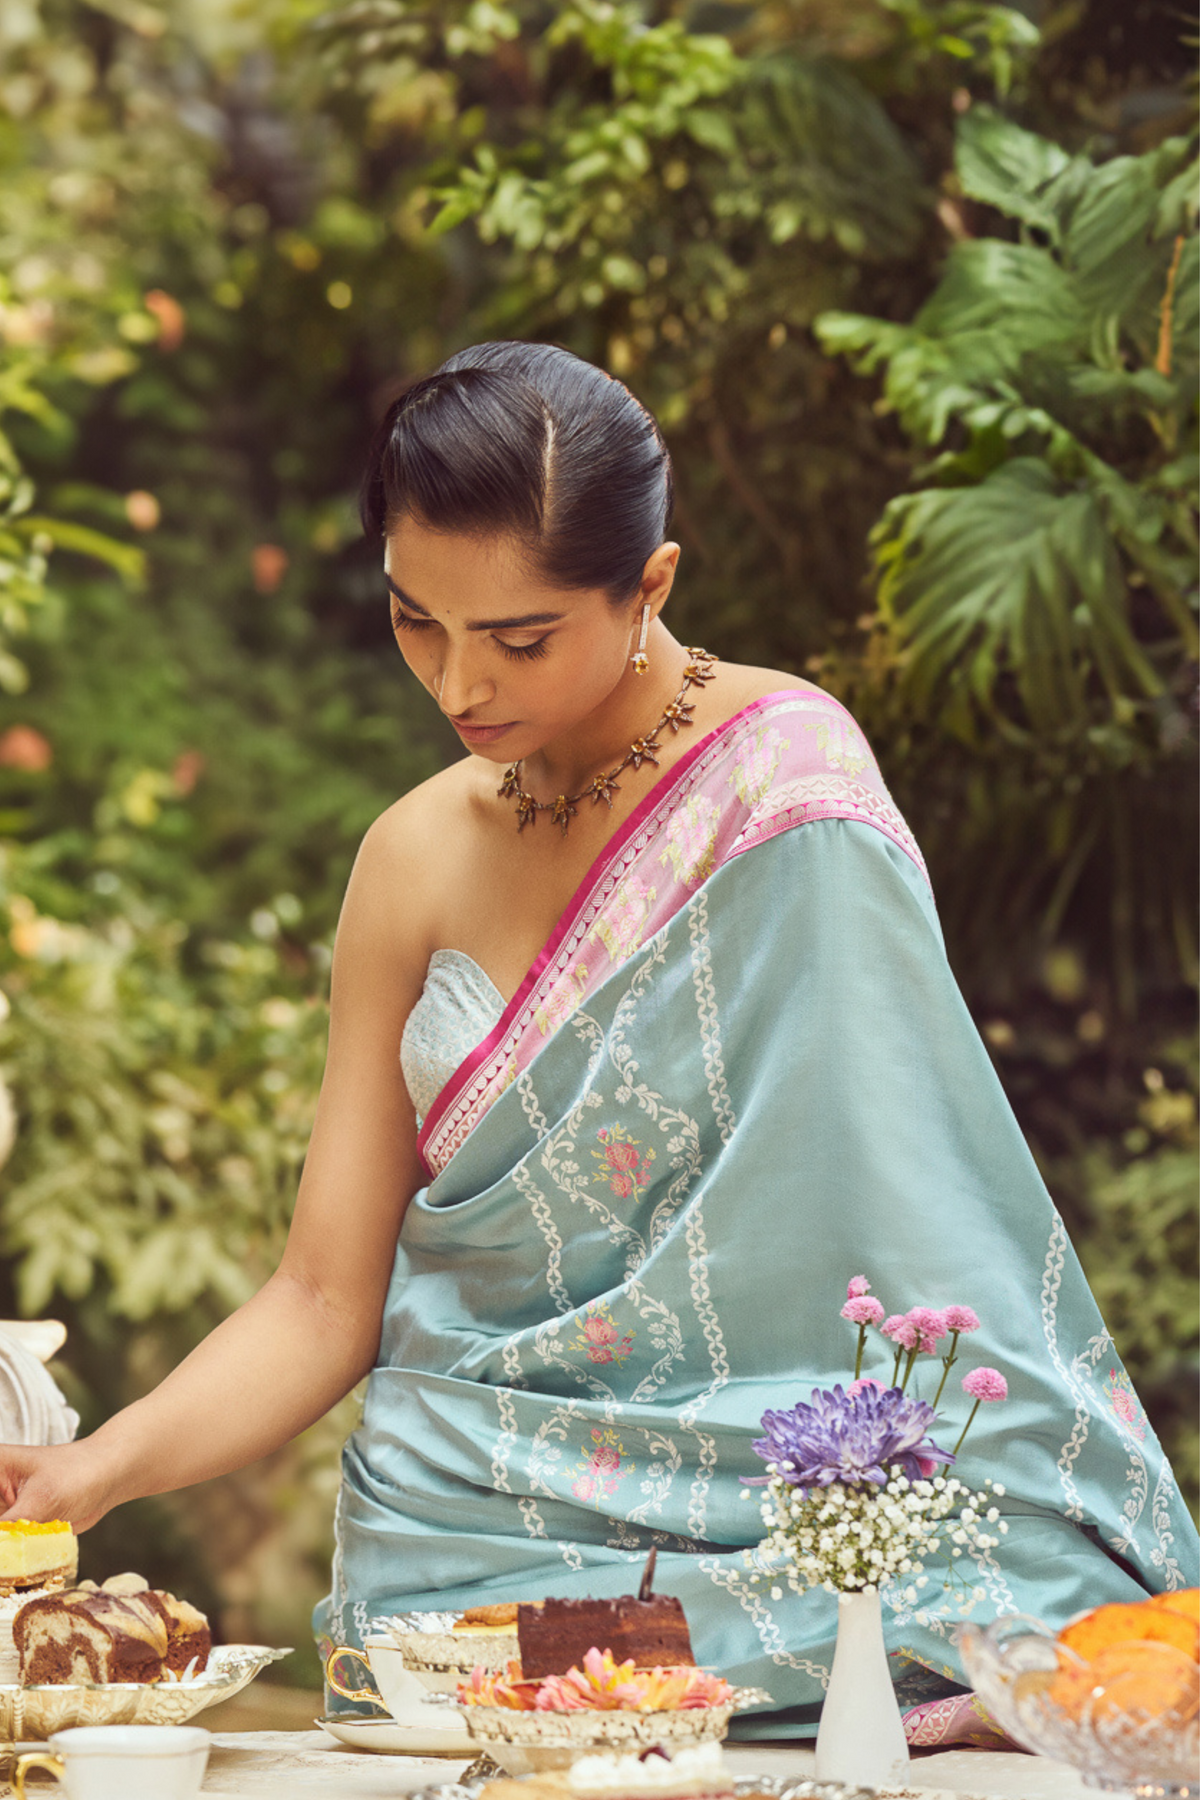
pixel 1131 1723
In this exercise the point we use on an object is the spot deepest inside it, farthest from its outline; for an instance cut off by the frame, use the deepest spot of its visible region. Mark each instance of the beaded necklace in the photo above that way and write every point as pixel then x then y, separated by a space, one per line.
pixel 602 787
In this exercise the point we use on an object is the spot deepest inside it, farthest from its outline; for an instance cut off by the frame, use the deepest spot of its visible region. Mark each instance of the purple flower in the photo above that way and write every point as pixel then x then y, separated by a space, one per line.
pixel 853 1438
pixel 862 1309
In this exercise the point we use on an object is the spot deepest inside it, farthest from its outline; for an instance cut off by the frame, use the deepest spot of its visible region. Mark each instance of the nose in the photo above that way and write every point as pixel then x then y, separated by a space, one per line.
pixel 460 683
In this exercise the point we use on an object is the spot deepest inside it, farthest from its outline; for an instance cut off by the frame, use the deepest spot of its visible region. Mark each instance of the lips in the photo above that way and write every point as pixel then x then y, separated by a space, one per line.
pixel 480 734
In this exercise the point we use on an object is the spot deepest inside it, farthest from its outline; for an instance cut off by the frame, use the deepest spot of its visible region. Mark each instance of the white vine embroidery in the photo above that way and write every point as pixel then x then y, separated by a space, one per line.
pixel 768 1631
pixel 1051 1283
pixel 706 1007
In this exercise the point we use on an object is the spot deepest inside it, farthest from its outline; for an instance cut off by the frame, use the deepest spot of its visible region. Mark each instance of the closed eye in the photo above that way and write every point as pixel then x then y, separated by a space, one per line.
pixel 404 622
pixel 523 652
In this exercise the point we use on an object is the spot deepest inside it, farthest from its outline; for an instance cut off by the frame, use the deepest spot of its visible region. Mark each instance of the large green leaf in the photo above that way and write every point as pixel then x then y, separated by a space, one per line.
pixel 1017 297
pixel 1014 581
pixel 1108 241
pixel 1009 168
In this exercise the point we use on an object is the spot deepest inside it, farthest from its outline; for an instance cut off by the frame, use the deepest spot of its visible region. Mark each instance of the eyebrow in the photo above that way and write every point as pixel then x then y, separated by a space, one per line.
pixel 513 624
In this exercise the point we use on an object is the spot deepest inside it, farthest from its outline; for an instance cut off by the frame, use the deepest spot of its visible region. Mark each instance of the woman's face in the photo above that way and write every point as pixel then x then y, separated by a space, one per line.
pixel 514 664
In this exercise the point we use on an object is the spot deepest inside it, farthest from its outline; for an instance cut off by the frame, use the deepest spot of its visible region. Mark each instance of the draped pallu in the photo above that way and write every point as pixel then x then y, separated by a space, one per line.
pixel 739 1072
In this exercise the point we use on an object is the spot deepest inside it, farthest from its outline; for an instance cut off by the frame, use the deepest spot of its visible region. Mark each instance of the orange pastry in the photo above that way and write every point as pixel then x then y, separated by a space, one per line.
pixel 1140 1681
pixel 1184 1600
pixel 1126 1624
pixel 1142 1659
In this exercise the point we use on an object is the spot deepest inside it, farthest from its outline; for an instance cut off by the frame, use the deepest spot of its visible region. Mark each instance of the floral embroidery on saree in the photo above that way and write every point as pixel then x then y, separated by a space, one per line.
pixel 601 1338
pixel 625 1166
pixel 603 1467
pixel 691 840
pixel 757 761
pixel 622 928
pixel 1126 1406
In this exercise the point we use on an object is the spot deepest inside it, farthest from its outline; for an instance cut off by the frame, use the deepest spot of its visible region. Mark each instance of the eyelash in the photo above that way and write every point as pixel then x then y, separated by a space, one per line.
pixel 517 652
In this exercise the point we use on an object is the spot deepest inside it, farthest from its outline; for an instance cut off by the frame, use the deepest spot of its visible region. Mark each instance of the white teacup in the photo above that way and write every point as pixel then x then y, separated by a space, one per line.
pixel 115 1762
pixel 403 1693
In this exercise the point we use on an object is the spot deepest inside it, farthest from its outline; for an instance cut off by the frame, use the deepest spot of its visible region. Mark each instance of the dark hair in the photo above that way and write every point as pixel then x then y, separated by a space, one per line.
pixel 528 439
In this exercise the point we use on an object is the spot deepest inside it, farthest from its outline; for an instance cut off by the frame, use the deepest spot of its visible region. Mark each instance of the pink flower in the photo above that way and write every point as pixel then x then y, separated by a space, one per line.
pixel 930 1323
pixel 584 1487
pixel 985 1384
pixel 622 1156
pixel 599 1331
pixel 863 1384
pixel 961 1319
pixel 857 1287
pixel 901 1330
pixel 862 1309
pixel 621 1186
pixel 599 1353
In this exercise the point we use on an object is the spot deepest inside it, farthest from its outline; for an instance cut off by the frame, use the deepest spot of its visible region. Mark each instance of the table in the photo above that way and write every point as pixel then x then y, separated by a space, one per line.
pixel 287 1765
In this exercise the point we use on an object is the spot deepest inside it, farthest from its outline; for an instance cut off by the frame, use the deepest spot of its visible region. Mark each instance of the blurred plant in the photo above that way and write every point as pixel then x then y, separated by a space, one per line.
pixel 1037 594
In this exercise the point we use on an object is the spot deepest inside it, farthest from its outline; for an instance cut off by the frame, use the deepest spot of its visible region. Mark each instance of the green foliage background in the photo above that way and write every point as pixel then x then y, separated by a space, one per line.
pixel 912 285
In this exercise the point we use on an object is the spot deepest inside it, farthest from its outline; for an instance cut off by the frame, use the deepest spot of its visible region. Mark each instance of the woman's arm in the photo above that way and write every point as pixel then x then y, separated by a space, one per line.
pixel 287 1355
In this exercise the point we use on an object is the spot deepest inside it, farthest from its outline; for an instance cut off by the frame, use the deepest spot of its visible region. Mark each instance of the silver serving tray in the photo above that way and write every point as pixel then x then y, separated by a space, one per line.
pixel 35 1712
pixel 779 1787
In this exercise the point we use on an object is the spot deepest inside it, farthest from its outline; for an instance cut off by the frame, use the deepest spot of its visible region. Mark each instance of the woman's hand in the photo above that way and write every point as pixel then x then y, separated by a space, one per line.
pixel 59 1481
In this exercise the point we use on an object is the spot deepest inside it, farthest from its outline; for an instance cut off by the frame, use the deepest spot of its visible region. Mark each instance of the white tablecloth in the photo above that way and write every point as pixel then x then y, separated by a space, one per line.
pixel 277 1765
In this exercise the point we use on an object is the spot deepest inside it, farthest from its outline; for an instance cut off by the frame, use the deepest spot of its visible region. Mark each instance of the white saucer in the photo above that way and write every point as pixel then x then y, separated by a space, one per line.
pixel 384 1734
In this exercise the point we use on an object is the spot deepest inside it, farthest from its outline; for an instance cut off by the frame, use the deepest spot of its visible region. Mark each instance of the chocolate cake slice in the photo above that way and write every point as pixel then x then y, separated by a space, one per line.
pixel 555 1635
pixel 81 1636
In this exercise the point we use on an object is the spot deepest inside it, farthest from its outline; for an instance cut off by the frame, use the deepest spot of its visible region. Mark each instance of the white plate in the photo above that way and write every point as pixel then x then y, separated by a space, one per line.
pixel 400 1740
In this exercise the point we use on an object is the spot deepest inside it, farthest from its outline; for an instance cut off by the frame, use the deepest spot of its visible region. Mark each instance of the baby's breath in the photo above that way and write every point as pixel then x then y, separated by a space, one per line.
pixel 846 1538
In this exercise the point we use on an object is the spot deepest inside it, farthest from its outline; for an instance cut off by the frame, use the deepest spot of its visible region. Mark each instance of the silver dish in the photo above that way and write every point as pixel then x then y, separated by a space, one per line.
pixel 35 1712
pixel 439 1656
pixel 779 1787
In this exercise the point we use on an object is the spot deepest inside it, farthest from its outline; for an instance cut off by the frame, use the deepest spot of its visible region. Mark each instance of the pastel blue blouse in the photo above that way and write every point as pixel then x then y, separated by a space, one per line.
pixel 459 1005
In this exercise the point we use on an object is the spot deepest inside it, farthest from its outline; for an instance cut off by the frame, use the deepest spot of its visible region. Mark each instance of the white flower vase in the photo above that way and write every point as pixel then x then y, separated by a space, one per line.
pixel 861 1739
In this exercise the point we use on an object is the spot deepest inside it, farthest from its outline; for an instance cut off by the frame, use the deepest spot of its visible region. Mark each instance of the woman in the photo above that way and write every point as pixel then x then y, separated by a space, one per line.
pixel 642 1043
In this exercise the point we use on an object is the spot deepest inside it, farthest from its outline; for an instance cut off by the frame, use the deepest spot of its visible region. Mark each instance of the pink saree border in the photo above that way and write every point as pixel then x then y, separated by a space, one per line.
pixel 793 803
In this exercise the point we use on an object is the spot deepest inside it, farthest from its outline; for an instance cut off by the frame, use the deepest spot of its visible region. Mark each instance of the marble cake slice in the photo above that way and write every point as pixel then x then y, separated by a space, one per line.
pixel 189 1639
pixel 81 1636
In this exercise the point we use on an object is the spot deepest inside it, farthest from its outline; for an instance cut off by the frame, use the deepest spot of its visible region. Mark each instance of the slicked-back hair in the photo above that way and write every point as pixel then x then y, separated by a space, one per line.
pixel 528 440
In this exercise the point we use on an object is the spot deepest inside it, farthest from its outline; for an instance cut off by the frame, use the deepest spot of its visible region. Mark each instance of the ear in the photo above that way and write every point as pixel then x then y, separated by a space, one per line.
pixel 658 576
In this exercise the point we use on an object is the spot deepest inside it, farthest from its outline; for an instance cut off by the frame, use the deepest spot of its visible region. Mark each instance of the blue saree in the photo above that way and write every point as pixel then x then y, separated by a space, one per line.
pixel 739 1073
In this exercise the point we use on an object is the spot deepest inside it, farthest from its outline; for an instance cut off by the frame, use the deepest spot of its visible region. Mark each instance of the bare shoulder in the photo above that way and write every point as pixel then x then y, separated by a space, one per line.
pixel 739 683
pixel 403 866
pixel 407 833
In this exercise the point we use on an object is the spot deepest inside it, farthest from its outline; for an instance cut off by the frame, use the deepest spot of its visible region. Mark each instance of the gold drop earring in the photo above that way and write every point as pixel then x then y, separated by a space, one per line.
pixel 639 659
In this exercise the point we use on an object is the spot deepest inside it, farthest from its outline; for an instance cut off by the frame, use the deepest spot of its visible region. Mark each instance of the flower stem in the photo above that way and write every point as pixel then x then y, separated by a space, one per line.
pixel 909 1366
pixel 947 1365
pixel 862 1339
pixel 896 1364
pixel 962 1434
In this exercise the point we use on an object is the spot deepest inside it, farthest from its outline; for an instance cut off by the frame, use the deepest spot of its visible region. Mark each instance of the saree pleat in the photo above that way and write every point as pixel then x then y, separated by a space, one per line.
pixel 644 1242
